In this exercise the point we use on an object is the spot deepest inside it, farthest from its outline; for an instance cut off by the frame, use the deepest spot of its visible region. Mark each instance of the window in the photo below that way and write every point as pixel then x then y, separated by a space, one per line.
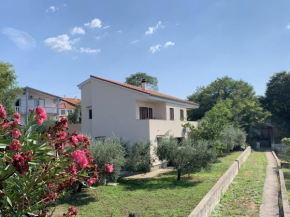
pixel 69 111
pixel 171 114
pixel 145 113
pixel 181 113
pixel 90 114
pixel 62 112
pixel 18 102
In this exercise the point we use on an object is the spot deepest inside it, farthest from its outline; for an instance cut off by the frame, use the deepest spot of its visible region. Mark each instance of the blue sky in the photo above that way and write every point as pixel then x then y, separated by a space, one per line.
pixel 56 44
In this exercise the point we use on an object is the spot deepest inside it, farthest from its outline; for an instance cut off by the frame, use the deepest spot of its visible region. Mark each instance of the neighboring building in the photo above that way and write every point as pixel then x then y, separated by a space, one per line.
pixel 68 105
pixel 131 112
pixel 31 98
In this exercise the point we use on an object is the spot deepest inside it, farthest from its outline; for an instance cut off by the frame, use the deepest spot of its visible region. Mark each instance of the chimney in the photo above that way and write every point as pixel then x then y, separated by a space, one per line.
pixel 75 97
pixel 144 84
pixel 64 96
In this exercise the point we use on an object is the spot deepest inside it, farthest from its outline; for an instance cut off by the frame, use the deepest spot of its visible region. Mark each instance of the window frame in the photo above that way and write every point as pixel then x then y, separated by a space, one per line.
pixel 90 114
pixel 182 113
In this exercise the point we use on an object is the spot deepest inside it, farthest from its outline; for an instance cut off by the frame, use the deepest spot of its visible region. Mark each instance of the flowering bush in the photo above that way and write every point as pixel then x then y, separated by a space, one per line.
pixel 37 168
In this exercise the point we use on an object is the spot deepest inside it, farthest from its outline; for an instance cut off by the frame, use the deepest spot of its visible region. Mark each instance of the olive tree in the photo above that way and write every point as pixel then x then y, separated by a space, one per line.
pixel 188 155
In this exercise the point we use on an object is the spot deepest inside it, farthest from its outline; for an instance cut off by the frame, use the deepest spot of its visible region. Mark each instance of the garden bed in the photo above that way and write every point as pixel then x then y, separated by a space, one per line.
pixel 161 196
pixel 244 196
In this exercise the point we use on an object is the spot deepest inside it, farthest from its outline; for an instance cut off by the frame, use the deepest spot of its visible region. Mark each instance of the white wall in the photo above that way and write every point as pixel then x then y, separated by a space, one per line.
pixel 86 92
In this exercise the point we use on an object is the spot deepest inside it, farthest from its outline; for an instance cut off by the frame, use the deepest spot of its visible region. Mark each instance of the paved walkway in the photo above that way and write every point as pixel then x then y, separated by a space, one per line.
pixel 151 174
pixel 269 207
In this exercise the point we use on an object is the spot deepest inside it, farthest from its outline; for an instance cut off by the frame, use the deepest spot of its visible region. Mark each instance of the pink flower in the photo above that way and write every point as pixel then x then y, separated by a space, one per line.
pixel 73 141
pixel 47 135
pixel 80 157
pixel 16 115
pixel 15 145
pixel 71 169
pixel 2 112
pixel 109 168
pixel 16 133
pixel 20 162
pixel 81 137
pixel 5 125
pixel 72 212
pixel 61 135
pixel 91 181
pixel 40 115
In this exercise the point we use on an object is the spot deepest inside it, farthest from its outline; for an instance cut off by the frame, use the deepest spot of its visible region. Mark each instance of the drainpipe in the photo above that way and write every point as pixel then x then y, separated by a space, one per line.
pixel 27 108
pixel 57 104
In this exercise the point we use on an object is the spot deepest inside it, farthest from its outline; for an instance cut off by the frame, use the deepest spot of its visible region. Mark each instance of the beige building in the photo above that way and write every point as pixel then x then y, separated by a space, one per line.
pixel 131 112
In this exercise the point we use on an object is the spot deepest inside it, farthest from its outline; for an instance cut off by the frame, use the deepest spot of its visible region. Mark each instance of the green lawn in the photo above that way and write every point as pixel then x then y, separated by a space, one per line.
pixel 244 196
pixel 286 172
pixel 162 196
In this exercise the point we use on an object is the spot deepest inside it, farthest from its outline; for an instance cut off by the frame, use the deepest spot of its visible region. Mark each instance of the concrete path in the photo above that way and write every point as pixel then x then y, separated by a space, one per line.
pixel 151 174
pixel 269 207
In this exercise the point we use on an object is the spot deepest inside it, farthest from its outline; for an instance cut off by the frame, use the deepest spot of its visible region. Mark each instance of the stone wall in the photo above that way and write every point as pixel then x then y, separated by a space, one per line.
pixel 208 203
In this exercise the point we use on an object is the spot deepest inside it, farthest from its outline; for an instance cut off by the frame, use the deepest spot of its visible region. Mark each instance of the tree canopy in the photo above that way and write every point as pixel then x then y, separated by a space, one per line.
pixel 244 105
pixel 277 100
pixel 135 79
pixel 8 89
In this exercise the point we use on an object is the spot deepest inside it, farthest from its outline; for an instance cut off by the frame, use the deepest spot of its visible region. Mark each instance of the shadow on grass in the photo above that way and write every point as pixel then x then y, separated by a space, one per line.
pixel 152 184
pixel 78 199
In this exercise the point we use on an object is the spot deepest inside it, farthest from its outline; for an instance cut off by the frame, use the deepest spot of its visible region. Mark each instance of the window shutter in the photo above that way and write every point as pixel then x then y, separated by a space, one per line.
pixel 141 113
pixel 150 113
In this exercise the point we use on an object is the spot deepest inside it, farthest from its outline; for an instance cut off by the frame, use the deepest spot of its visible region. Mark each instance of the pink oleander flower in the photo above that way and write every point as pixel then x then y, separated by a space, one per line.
pixel 109 168
pixel 91 181
pixel 16 133
pixel 73 141
pixel 47 135
pixel 61 135
pixel 16 115
pixel 71 169
pixel 2 112
pixel 5 125
pixel 40 115
pixel 15 145
pixel 20 162
pixel 81 137
pixel 72 212
pixel 80 157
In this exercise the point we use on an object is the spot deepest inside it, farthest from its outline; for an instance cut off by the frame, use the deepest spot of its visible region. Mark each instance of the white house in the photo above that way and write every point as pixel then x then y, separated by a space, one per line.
pixel 31 98
pixel 131 112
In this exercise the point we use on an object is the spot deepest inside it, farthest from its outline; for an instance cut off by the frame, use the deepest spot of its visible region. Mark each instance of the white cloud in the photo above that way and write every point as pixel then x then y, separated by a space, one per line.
pixel 169 43
pixel 52 9
pixel 21 39
pixel 288 27
pixel 78 30
pixel 153 28
pixel 106 27
pixel 61 42
pixel 88 50
pixel 134 42
pixel 159 47
pixel 95 23
pixel 119 31
pixel 155 48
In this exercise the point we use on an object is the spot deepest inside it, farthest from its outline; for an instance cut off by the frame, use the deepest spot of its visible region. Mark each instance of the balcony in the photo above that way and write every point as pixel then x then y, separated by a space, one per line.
pixel 48 110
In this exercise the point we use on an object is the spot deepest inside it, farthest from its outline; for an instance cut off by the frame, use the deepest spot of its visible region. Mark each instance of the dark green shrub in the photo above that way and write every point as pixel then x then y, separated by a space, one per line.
pixel 109 151
pixel 233 137
pixel 138 157
pixel 45 125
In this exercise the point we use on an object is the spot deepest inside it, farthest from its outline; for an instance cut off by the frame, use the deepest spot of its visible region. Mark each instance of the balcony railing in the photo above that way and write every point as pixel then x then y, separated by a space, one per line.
pixel 22 109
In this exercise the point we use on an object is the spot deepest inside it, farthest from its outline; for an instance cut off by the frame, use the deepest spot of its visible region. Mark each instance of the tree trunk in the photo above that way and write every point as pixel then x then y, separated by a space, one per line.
pixel 178 175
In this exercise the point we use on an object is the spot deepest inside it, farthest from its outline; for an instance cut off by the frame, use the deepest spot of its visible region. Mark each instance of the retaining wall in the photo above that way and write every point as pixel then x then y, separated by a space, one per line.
pixel 212 198
pixel 284 197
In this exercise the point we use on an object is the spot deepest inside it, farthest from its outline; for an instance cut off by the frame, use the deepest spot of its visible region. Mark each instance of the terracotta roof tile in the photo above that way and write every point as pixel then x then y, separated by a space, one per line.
pixel 73 101
pixel 66 105
pixel 151 92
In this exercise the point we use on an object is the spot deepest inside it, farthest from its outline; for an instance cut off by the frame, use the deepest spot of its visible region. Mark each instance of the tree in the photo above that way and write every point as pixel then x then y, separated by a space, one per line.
pixel 277 100
pixel 245 106
pixel 189 155
pixel 135 79
pixel 75 117
pixel 8 89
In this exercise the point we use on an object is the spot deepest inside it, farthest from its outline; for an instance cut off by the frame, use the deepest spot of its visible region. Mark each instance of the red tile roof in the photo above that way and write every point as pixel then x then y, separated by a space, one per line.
pixel 72 101
pixel 150 92
pixel 66 105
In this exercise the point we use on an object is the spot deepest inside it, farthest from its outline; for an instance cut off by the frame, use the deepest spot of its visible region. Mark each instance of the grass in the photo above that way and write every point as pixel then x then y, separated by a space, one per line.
pixel 244 196
pixel 286 172
pixel 161 196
